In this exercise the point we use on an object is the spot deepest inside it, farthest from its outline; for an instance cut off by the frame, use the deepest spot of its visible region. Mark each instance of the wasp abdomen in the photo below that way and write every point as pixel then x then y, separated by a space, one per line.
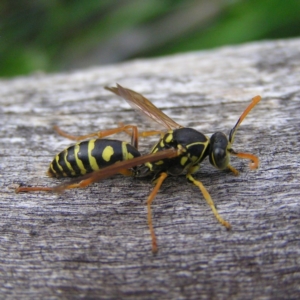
pixel 88 156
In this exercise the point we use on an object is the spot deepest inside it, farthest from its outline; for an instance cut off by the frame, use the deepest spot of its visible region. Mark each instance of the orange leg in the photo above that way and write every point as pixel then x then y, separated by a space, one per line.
pixel 150 199
pixel 56 189
pixel 233 170
pixel 132 130
pixel 150 133
pixel 29 189
pixel 254 159
pixel 144 133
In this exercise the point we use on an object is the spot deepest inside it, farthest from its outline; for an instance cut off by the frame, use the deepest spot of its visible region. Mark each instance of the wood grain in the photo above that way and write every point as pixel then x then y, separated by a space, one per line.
pixel 94 243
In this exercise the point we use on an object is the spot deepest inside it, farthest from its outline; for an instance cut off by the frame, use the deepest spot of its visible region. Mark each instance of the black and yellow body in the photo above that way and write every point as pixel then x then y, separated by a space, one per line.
pixel 179 151
pixel 195 147
pixel 88 156
pixel 192 147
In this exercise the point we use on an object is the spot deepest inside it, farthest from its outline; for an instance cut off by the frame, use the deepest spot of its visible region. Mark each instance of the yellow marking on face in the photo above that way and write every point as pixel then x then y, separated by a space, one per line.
pixel 92 159
pixel 78 161
pixel 160 162
pixel 161 143
pixel 183 160
pixel 107 153
pixel 69 166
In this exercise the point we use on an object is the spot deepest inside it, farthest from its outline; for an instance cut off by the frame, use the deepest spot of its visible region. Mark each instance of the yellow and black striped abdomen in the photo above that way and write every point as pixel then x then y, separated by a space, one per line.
pixel 88 156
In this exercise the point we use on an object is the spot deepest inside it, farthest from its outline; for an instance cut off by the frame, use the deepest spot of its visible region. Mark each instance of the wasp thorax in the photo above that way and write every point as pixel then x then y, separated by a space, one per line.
pixel 218 155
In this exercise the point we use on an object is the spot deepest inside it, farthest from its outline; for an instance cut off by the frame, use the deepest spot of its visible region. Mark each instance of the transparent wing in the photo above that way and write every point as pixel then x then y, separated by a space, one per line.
pixel 144 106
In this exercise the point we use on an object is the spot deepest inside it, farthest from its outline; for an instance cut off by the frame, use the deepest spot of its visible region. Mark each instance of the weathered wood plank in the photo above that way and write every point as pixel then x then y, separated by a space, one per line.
pixel 94 243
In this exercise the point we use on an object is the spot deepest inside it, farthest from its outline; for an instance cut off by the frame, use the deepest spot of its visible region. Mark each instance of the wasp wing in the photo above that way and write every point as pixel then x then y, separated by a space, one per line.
pixel 143 105
pixel 118 167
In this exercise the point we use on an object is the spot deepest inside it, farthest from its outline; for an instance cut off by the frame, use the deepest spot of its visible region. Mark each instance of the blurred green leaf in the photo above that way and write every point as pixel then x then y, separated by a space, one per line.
pixel 49 35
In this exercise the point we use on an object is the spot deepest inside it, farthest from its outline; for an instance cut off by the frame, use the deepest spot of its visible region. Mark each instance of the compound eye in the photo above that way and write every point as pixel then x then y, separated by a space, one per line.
pixel 218 155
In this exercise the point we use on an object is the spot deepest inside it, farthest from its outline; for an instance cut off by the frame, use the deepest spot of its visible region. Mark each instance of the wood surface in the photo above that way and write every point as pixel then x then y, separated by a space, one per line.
pixel 94 243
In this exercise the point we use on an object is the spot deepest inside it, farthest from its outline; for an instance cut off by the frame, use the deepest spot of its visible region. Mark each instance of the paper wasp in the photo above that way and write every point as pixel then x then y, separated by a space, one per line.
pixel 179 151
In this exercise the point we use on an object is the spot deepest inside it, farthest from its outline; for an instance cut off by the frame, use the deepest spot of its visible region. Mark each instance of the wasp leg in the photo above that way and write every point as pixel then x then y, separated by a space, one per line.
pixel 233 170
pixel 150 133
pixel 29 189
pixel 150 199
pixel 89 180
pixel 206 195
pixel 144 133
pixel 254 159
pixel 132 130
pixel 81 184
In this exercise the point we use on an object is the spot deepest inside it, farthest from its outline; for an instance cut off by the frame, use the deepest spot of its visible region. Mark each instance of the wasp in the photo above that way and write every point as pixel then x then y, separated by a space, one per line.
pixel 180 150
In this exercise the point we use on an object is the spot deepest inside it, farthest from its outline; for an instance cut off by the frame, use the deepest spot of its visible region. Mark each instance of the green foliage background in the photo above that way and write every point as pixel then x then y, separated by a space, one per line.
pixel 53 35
